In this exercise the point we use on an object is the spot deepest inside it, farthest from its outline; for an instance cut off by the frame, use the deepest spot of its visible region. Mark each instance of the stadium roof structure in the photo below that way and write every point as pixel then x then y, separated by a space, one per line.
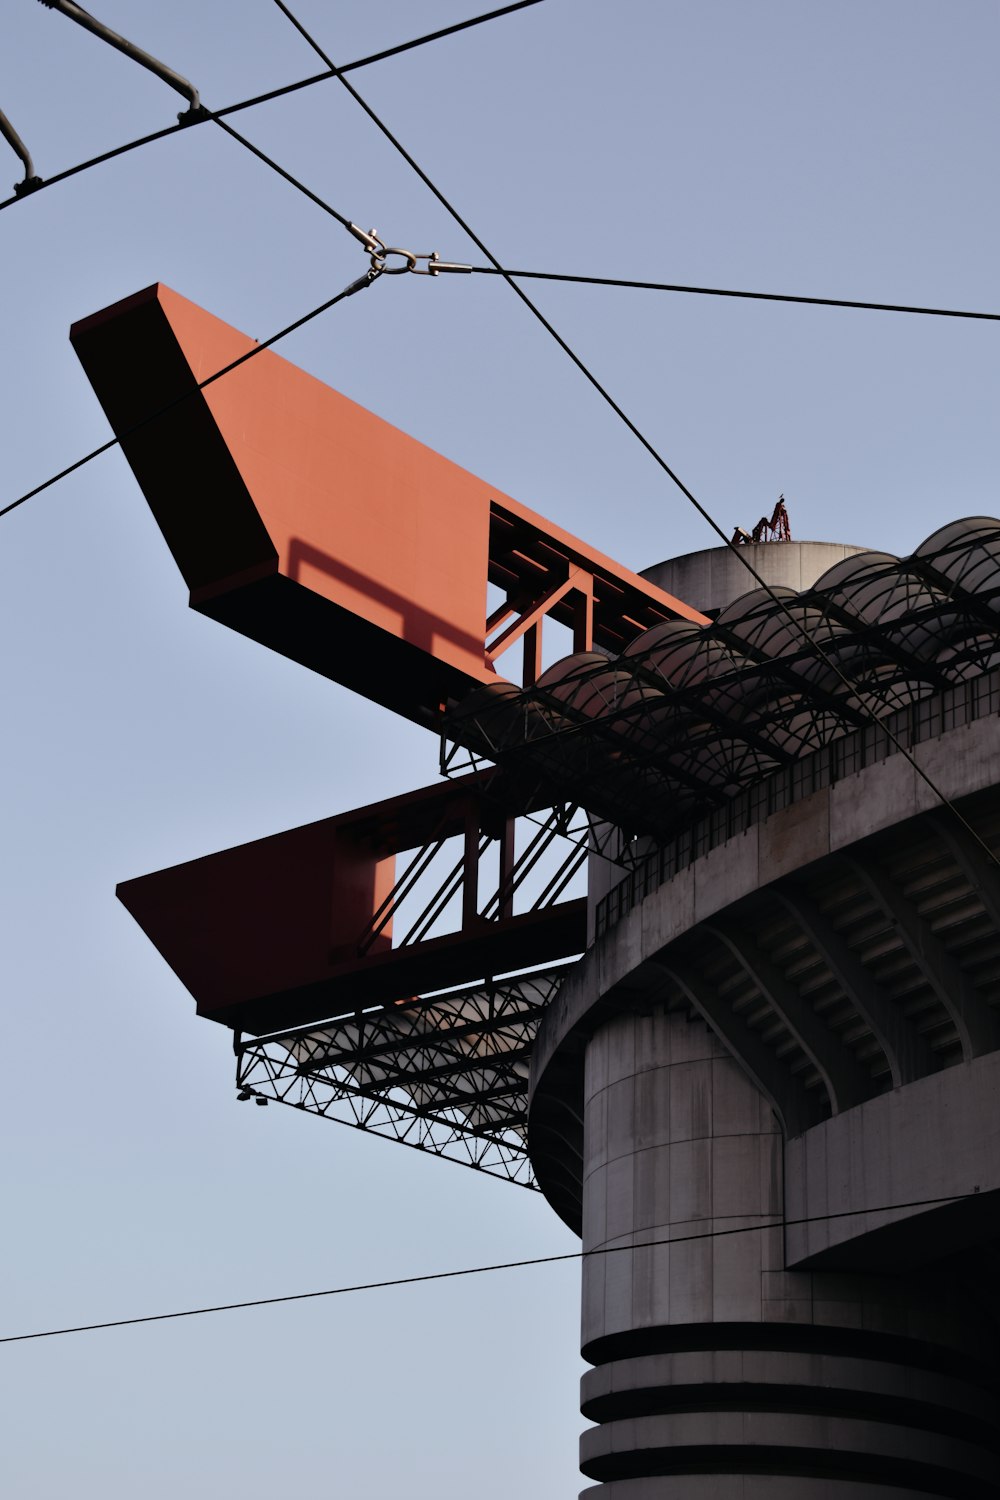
pixel 315 528
pixel 687 717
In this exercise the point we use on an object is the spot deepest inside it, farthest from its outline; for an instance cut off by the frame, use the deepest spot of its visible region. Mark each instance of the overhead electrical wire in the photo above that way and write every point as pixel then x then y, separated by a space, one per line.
pixel 356 286
pixel 811 643
pixel 219 115
pixel 496 268
pixel 510 276
pixel 307 192
pixel 507 1265
pixel 716 291
pixel 289 177
pixel 36 184
pixel 333 71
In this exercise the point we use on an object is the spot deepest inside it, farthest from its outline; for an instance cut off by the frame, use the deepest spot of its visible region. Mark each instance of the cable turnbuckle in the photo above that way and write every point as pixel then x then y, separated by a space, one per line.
pixel 380 253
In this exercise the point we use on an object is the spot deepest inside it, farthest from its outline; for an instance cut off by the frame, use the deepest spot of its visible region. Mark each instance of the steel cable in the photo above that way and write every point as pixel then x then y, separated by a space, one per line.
pixel 671 473
pixel 356 286
pixel 507 1265
pixel 265 98
pixel 716 291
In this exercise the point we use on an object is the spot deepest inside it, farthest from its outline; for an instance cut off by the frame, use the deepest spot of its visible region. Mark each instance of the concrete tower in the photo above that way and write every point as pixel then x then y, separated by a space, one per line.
pixel 780 1032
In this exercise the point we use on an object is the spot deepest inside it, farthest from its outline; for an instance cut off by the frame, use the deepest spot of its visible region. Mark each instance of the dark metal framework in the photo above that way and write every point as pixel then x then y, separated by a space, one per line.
pixel 687 717
pixel 927 719
pixel 447 1074
pixel 462 877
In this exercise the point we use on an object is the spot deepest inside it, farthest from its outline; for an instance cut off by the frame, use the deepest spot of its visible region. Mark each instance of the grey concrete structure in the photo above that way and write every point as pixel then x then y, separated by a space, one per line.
pixel 714 577
pixel 767 1099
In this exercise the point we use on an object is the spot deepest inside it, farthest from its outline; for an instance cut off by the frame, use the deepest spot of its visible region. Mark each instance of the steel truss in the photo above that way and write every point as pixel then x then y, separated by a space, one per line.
pixel 587 833
pixel 688 716
pixel 446 1074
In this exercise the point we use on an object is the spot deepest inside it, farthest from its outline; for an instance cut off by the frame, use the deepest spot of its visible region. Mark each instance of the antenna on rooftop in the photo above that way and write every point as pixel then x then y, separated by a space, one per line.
pixel 777 529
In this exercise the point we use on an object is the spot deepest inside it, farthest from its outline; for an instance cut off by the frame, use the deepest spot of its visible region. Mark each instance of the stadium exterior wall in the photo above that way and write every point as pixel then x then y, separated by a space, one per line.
pixel 737 1350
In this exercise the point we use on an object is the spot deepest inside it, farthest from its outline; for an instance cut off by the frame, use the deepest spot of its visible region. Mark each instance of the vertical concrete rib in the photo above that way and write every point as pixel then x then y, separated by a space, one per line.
pixel 717 1372
pixel 974 862
pixel 908 1055
pixel 845 1081
pixel 783 1091
pixel 977 1025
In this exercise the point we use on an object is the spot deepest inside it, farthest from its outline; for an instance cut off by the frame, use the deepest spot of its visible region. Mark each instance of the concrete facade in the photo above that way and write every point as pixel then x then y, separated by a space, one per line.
pixel 714 577
pixel 750 1098
pixel 707 1348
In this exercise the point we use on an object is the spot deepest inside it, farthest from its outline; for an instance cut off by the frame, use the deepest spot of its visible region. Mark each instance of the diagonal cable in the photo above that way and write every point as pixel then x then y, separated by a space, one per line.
pixel 717 291
pixel 671 473
pixel 355 286
pixel 507 1265
pixel 37 183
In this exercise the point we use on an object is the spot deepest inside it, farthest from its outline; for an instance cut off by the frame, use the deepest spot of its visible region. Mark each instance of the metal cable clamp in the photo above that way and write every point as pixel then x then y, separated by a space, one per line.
pixel 380 253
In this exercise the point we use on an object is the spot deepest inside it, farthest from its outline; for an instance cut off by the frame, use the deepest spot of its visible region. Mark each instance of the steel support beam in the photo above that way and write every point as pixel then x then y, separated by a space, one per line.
pixel 414 1041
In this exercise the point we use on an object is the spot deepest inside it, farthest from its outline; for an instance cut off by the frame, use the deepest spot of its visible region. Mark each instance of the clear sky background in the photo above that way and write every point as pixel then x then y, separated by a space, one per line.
pixel 844 149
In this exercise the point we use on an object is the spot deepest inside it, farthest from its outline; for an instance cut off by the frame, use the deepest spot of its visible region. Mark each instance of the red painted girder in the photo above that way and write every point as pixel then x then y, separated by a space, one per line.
pixel 316 528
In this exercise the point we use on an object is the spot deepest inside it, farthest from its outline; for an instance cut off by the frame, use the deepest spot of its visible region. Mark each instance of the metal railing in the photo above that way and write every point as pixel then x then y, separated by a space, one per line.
pixel 925 719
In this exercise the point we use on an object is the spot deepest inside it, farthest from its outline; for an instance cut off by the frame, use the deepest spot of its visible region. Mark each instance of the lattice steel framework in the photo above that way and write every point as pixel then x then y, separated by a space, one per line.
pixel 688 716
pixel 446 1074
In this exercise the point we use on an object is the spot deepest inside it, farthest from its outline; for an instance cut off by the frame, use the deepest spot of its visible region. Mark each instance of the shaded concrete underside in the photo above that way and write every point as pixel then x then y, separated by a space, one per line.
pixel 837 968
pixel 804 1024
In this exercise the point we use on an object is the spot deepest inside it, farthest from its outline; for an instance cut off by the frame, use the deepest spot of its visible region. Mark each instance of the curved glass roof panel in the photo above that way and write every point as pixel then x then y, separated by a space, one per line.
pixel 859 563
pixel 690 714
pixel 967 553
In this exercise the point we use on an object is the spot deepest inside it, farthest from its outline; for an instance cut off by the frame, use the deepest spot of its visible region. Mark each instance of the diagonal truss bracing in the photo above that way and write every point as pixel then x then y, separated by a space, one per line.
pixel 446 1074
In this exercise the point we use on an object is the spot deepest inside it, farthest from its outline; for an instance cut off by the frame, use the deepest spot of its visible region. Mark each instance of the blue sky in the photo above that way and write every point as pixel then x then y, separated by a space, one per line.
pixel 844 150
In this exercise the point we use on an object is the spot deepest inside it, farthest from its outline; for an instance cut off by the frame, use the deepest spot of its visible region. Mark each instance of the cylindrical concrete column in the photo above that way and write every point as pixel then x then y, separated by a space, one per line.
pixel 717 1373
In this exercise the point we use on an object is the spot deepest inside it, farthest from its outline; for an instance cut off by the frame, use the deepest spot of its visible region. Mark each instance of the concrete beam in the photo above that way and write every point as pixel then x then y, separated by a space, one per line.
pixel 847 1083
pixel 906 1178
pixel 783 1091
pixel 907 1053
pixel 977 1025
pixel 972 859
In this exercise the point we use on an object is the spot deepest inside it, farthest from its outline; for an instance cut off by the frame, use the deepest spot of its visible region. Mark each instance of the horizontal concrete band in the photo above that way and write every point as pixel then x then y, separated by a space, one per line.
pixel 832 821
pixel 829 1402
pixel 718 1486
pixel 809 1339
pixel 667 1382
pixel 769 1443
pixel 936 1138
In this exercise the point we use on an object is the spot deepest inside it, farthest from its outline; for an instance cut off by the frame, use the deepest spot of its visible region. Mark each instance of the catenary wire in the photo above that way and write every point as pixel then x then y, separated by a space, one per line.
pixel 508 274
pixel 289 177
pixel 507 1265
pixel 301 187
pixel 671 473
pixel 265 98
pixel 716 291
pixel 356 286
pixel 497 269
